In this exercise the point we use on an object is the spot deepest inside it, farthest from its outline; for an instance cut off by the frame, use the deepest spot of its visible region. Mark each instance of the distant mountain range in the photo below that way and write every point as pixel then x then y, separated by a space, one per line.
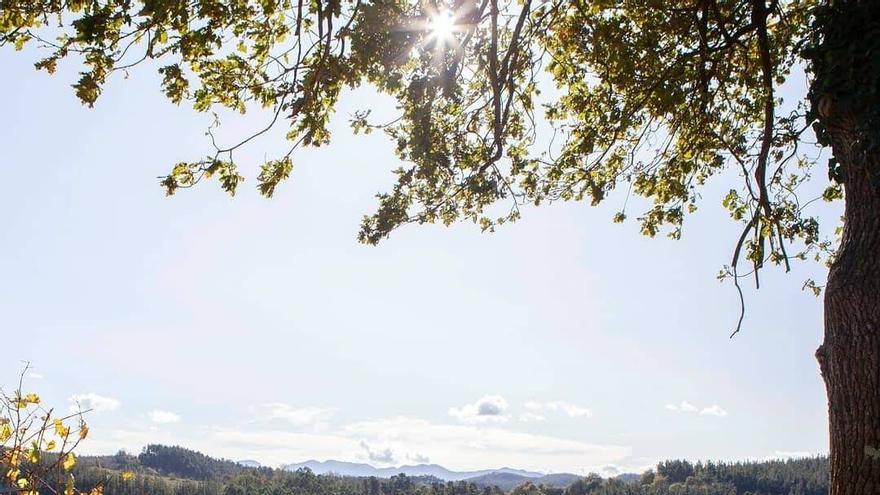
pixel 365 470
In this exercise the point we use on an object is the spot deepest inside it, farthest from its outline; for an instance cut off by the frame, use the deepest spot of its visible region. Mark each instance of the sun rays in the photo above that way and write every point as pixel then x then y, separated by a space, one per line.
pixel 441 26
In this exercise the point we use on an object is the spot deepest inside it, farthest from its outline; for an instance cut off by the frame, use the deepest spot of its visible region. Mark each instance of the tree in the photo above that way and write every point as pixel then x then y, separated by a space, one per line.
pixel 37 446
pixel 676 471
pixel 527 488
pixel 652 95
pixel 584 486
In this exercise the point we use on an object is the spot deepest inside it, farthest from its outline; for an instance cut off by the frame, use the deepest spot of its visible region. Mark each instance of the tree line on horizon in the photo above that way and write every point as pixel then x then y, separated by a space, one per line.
pixel 165 470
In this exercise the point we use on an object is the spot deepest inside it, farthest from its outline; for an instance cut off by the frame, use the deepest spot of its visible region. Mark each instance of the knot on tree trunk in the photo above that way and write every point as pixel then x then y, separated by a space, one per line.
pixel 822 358
pixel 825 106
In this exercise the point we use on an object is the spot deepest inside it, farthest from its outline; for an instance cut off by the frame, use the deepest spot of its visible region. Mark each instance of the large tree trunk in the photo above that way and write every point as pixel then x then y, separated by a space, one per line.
pixel 850 355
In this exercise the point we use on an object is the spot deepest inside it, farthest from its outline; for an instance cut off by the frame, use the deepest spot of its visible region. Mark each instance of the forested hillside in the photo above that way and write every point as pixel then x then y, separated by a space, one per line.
pixel 509 481
pixel 186 463
pixel 791 477
pixel 162 470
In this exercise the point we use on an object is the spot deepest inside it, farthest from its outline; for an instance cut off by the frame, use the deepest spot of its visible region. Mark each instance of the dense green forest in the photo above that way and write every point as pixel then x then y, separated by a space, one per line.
pixel 162 470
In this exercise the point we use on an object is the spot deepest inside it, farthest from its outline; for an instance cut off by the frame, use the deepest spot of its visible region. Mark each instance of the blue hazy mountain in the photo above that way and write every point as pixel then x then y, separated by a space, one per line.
pixel 361 469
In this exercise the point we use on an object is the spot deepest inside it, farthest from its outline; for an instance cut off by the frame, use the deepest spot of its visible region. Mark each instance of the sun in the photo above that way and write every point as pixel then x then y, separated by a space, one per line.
pixel 441 25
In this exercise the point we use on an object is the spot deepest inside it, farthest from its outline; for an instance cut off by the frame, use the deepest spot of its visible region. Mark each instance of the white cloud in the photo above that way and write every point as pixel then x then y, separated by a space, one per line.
pixel 103 441
pixel 34 375
pixel 163 417
pixel 490 408
pixel 476 446
pixel 278 447
pixel 314 417
pixel 270 447
pixel 454 445
pixel 92 402
pixel 532 417
pixel 610 470
pixel 687 407
pixel 572 410
pixel 714 410
pixel 419 458
pixel 382 456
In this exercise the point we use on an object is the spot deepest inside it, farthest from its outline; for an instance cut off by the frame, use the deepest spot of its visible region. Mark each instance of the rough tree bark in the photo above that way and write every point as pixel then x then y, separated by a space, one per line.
pixel 850 354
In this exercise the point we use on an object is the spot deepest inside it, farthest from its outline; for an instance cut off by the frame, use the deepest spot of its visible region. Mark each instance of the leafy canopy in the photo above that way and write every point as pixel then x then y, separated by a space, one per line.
pixel 654 95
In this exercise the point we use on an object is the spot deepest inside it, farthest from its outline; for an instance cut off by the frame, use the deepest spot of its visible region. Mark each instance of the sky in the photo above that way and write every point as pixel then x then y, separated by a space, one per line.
pixel 260 329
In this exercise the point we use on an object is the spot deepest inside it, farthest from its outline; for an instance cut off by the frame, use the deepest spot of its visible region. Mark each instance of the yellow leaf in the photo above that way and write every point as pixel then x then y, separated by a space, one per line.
pixel 68 487
pixel 61 430
pixel 33 454
pixel 127 475
pixel 22 483
pixel 5 432
pixel 69 461
pixel 50 445
pixel 32 398
pixel 83 431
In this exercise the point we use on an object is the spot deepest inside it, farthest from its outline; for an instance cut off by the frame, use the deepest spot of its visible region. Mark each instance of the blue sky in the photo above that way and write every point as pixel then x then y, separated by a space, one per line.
pixel 259 329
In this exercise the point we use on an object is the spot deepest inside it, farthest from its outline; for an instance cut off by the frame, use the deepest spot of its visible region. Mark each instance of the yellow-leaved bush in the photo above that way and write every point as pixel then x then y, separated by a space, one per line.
pixel 37 446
